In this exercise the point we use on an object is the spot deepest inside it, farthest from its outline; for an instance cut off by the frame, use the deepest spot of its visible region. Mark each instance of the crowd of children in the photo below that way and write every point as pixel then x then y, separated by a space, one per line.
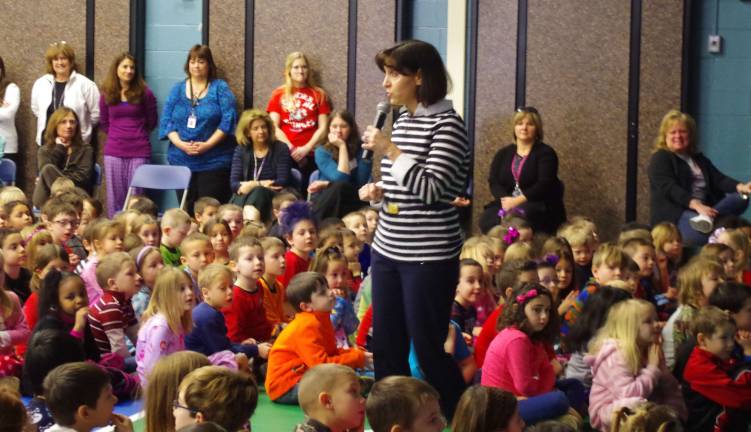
pixel 550 333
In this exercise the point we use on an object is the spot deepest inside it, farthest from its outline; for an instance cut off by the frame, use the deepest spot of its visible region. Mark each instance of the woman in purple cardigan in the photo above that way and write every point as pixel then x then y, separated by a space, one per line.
pixel 127 110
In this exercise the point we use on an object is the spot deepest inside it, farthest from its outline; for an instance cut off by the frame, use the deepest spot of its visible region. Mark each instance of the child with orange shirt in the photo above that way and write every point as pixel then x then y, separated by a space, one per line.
pixel 278 311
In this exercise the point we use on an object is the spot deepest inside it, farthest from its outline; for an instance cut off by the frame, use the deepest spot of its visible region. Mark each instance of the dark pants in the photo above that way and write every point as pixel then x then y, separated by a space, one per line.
pixel 732 204
pixel 47 175
pixel 214 183
pixel 412 301
pixel 260 198
pixel 336 201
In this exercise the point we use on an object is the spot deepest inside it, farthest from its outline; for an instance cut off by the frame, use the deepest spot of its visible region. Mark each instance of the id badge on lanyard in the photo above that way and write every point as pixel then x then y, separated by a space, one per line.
pixel 192 120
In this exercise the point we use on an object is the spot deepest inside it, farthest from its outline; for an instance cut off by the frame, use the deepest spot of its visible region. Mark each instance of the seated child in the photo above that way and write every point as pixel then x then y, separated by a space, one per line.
pixel 332 264
pixel 404 403
pixel 724 255
pixel 331 399
pixel 608 264
pixel 233 215
pixel 79 396
pixel 144 205
pixel 628 367
pixel 487 409
pixel 204 210
pixel 106 238
pixel 278 311
pixel 308 340
pixel 357 223
pixel 696 282
pixel 209 332
pixel 216 394
pixel 668 254
pixel 61 220
pixel 479 248
pixel 17 277
pixel 13 331
pixel 738 241
pixel 647 417
pixel 717 391
pixel 13 414
pixel 19 215
pixel 147 229
pixel 221 236
pixel 111 317
pixel 351 247
pixel 581 236
pixel 468 288
pixel 642 252
pixel 299 230
pixel 196 254
pixel 175 226
pixel 278 204
pixel 149 263
pixel 246 316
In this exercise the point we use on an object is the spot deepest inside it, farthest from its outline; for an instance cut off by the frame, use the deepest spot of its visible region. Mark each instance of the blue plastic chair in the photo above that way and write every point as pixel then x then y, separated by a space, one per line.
pixel 314 176
pixel 8 172
pixel 296 178
pixel 161 177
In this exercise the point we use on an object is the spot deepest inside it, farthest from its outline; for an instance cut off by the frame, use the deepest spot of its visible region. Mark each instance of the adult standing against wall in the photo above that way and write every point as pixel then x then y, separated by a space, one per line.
pixel 524 176
pixel 415 262
pixel 343 170
pixel 10 98
pixel 128 114
pixel 260 165
pixel 199 119
pixel 300 111
pixel 62 85
pixel 685 188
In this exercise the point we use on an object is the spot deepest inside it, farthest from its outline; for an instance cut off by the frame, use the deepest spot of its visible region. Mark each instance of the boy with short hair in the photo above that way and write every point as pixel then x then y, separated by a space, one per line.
pixel 717 393
pixel 209 334
pixel 404 403
pixel 582 238
pixel 196 254
pixel 278 204
pixel 308 340
pixel 246 317
pixel 79 395
pixel 204 209
pixel 112 318
pixel 331 400
pixel 608 264
pixel 61 220
pixel 643 253
pixel 175 226
pixel 278 312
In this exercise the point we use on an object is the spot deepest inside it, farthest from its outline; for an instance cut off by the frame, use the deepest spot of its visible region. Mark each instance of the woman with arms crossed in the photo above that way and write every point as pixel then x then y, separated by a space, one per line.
pixel 415 265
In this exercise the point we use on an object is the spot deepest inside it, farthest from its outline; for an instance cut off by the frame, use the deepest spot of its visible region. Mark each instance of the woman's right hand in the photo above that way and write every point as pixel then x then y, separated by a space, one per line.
pixel 317 186
pixel 701 208
pixel 269 184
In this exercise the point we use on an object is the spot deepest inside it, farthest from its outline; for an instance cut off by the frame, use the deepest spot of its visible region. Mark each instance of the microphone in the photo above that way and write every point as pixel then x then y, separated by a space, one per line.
pixel 382 111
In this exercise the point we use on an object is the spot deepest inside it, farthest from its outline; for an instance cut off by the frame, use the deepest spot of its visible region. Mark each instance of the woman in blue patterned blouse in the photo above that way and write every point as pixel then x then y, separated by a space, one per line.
pixel 199 119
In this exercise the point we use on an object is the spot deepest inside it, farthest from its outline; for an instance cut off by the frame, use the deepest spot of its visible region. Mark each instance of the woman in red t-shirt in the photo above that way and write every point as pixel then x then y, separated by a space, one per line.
pixel 300 111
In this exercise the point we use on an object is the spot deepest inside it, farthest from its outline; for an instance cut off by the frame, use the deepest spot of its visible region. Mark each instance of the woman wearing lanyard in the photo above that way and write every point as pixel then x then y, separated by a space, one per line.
pixel 524 180
pixel 260 165
pixel 415 262
pixel 198 119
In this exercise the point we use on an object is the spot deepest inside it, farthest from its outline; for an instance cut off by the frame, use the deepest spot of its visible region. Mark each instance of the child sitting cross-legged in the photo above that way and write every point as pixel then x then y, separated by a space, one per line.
pixel 716 389
pixel 331 399
pixel 332 264
pixel 79 395
pixel 308 340
pixel 209 334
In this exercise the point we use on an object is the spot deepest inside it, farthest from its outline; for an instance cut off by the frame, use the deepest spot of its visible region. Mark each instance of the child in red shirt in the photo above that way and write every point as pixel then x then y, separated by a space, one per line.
pixel 300 231
pixel 246 316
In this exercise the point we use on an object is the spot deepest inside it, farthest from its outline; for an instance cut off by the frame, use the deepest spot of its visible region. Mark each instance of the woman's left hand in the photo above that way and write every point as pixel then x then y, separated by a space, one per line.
pixel 299 153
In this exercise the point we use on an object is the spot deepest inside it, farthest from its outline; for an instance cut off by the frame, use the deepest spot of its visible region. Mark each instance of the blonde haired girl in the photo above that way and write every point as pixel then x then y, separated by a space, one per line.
pixel 627 364
pixel 696 282
pixel 166 321
pixel 480 249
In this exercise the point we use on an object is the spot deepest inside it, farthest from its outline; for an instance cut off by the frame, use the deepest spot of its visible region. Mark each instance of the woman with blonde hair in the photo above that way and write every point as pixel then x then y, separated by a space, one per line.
pixel 260 165
pixel 64 154
pixel 62 85
pixel 299 109
pixel 523 178
pixel 128 115
pixel 685 188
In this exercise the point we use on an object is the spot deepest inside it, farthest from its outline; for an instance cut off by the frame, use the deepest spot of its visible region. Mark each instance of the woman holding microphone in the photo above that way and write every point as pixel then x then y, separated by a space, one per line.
pixel 415 263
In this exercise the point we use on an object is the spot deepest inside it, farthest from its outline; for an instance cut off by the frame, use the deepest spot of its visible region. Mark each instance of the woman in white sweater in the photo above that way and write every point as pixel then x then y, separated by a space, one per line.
pixel 10 98
pixel 62 85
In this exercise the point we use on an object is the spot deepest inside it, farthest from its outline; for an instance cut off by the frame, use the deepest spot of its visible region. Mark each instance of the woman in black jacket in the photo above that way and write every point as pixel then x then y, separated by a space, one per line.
pixel 685 188
pixel 524 178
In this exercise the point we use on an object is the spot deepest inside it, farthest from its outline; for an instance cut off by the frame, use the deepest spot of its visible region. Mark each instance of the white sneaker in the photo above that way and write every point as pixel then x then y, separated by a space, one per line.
pixel 701 223
pixel 250 213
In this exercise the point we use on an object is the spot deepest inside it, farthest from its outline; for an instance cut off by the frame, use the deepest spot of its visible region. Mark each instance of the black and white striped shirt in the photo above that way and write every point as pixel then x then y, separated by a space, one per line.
pixel 417 221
